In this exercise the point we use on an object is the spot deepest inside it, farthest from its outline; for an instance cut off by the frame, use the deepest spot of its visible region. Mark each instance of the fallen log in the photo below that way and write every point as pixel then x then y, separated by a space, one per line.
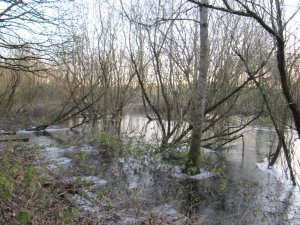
pixel 38 128
pixel 8 133
pixel 13 138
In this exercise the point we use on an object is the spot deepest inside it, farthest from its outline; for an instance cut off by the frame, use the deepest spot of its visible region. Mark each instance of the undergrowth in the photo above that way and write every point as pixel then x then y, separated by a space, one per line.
pixel 27 192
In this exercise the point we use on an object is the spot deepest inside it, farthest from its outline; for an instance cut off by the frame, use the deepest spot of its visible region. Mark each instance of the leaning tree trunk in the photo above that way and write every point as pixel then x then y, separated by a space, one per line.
pixel 281 64
pixel 192 165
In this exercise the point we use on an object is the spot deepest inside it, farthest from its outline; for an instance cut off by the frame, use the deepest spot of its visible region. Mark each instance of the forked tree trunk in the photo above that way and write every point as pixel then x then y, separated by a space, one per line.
pixel 192 166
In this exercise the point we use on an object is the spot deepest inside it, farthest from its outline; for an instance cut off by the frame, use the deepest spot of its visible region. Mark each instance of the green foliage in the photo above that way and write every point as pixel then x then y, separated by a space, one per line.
pixel 6 188
pixel 223 186
pixel 176 155
pixel 264 121
pixel 218 169
pixel 8 172
pixel 191 169
pixel 128 148
pixel 28 176
pixel 110 140
pixel 106 141
pixel 20 182
pixel 67 216
pixel 108 207
pixel 101 194
pixel 121 146
pixel 24 217
pixel 82 156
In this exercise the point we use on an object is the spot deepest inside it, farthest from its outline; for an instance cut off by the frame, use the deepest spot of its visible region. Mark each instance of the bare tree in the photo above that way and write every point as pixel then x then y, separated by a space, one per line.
pixel 29 26
pixel 192 166
pixel 165 58
pixel 92 68
pixel 270 17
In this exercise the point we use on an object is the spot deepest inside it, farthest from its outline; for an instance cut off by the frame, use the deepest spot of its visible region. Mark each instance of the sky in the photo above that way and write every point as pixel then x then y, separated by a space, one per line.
pixel 293 28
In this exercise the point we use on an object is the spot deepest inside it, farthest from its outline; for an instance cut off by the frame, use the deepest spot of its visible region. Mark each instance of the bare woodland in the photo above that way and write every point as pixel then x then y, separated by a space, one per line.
pixel 204 72
pixel 190 65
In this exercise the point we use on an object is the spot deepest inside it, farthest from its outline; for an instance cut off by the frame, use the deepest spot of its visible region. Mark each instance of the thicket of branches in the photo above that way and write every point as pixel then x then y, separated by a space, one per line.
pixel 82 62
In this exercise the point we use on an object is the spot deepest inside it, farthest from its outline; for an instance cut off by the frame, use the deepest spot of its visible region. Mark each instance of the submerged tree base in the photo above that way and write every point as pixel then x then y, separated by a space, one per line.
pixel 190 168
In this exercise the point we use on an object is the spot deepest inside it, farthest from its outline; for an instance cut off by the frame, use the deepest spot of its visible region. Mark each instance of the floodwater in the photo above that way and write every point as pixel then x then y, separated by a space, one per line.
pixel 249 193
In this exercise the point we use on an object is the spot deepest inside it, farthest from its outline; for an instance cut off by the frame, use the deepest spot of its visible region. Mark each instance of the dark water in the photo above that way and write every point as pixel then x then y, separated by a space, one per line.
pixel 248 193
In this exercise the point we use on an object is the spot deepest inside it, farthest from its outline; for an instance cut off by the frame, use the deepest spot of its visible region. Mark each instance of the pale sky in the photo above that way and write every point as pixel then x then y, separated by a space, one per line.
pixel 293 28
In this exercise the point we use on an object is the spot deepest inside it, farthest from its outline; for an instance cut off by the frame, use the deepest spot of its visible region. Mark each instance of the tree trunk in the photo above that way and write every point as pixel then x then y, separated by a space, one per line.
pixel 193 163
pixel 281 64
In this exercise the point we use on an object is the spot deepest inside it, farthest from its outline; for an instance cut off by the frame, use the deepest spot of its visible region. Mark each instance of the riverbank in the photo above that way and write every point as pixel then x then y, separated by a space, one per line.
pixel 104 179
pixel 37 189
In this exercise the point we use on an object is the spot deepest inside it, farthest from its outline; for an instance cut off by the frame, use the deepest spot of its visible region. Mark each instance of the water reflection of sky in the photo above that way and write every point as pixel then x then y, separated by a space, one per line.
pixel 277 195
